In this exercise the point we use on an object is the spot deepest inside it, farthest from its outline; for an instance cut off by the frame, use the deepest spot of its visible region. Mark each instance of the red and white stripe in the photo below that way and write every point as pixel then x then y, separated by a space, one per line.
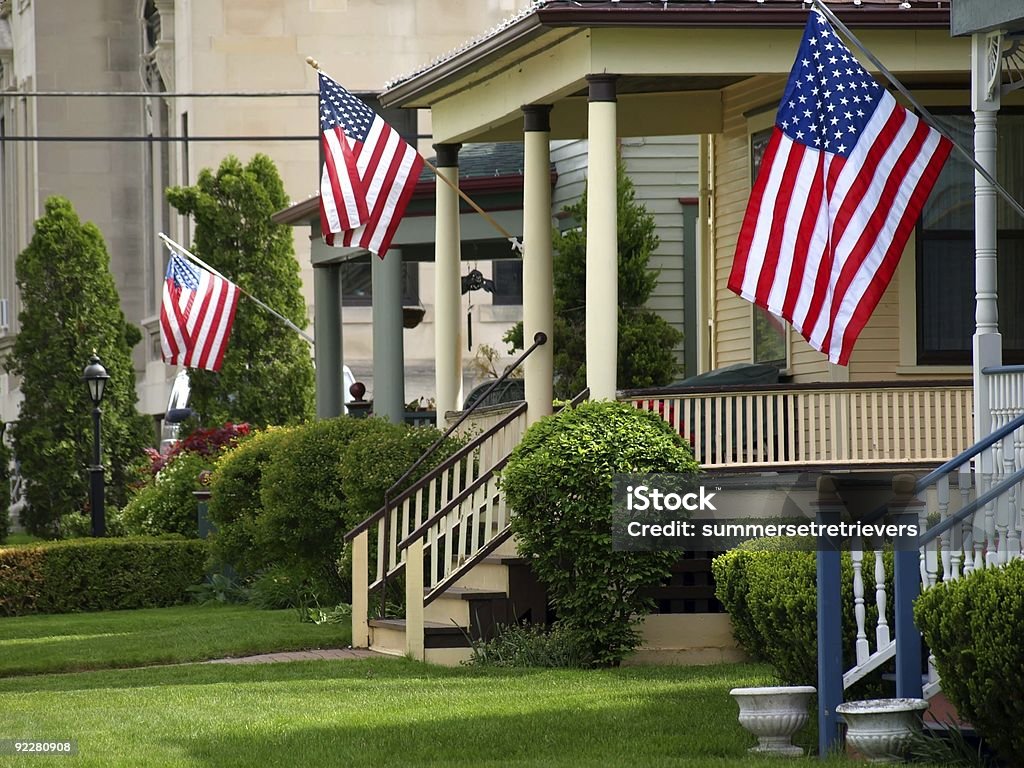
pixel 375 180
pixel 195 325
pixel 822 235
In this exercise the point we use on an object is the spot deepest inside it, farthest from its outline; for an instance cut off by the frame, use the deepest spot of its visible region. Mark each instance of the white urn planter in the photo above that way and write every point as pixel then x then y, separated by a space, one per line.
pixel 881 729
pixel 774 714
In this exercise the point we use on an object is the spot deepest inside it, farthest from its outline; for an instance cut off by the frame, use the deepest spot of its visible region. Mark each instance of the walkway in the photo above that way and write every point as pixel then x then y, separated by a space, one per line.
pixel 329 654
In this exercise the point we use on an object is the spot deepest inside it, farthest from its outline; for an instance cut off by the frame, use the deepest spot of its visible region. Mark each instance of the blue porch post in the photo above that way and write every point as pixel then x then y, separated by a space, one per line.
pixel 907 568
pixel 830 635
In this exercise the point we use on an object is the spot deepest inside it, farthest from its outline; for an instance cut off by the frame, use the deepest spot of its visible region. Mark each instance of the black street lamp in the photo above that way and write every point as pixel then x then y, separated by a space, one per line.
pixel 95 376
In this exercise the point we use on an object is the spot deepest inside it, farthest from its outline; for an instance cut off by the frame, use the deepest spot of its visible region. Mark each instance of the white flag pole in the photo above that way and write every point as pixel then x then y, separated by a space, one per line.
pixel 178 248
pixel 825 11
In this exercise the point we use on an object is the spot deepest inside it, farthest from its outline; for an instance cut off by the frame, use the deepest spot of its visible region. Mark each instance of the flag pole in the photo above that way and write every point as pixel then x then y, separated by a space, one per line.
pixel 188 254
pixel 516 245
pixel 925 114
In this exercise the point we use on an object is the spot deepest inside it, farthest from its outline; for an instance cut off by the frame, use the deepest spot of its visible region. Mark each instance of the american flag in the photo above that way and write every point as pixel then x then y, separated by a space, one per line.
pixel 369 172
pixel 842 183
pixel 196 315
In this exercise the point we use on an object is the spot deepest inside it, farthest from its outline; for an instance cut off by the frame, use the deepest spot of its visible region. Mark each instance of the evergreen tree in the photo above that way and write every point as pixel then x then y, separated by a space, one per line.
pixel 646 340
pixel 71 308
pixel 267 376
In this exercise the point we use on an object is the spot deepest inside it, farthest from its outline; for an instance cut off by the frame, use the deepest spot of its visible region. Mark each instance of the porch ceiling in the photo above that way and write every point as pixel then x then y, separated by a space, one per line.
pixel 671 76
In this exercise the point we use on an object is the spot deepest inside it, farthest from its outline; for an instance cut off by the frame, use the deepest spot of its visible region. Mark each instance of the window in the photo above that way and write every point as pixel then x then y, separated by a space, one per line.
pixel 769 334
pixel 357 284
pixel 508 281
pixel 945 251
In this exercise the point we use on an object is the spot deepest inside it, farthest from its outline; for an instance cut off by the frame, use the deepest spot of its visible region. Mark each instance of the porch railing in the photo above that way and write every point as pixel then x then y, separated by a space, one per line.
pixel 818 424
pixel 971 513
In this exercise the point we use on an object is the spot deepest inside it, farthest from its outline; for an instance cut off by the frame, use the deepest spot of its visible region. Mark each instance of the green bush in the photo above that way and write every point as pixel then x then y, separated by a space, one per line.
pixel 286 497
pixel 518 645
pixel 975 628
pixel 235 505
pixel 769 587
pixel 558 483
pixel 99 574
pixel 304 511
pixel 166 504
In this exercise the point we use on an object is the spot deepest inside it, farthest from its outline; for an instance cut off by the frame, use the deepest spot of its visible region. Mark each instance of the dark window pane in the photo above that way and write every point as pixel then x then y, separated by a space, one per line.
pixel 945 251
pixel 769 338
pixel 357 284
pixel 508 281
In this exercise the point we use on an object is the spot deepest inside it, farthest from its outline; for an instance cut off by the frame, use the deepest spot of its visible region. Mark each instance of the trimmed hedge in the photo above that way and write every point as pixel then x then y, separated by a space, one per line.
pixel 975 628
pixel 769 587
pixel 99 574
pixel 284 498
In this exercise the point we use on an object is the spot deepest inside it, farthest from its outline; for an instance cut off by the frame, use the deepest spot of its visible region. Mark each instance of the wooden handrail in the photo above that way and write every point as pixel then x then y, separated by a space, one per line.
pixel 421 531
pixel 456 457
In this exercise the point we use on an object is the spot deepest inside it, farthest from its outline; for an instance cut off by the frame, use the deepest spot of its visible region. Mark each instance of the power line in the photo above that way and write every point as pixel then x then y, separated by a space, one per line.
pixel 162 94
pixel 154 139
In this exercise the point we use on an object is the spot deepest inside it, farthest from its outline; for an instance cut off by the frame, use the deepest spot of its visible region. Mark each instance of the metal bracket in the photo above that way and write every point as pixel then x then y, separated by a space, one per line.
pixel 1013 63
pixel 992 63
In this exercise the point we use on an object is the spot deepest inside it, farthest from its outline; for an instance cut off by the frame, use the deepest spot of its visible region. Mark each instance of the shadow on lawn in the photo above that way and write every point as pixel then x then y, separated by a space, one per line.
pixel 637 730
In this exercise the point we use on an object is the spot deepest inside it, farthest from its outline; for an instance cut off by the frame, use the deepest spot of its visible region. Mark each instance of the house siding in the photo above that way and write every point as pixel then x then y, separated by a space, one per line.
pixel 663 170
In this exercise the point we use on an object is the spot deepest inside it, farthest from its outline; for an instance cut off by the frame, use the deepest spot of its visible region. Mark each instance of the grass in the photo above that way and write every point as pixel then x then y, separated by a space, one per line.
pixel 83 641
pixel 384 712
pixel 17 539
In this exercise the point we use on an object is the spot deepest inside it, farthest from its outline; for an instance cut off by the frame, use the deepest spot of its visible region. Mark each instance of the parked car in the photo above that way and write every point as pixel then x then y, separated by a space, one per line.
pixel 509 391
pixel 179 411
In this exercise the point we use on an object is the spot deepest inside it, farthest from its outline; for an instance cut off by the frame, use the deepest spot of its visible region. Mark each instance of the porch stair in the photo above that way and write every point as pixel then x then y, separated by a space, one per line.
pixel 971 514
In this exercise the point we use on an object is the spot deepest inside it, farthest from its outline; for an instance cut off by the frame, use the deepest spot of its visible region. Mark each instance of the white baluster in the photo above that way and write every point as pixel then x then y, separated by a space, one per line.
pixel 942 490
pixel 929 554
pixel 857 555
pixel 882 629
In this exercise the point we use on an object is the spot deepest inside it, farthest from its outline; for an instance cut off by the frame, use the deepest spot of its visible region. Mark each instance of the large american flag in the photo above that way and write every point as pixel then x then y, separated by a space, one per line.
pixel 196 315
pixel 369 172
pixel 842 183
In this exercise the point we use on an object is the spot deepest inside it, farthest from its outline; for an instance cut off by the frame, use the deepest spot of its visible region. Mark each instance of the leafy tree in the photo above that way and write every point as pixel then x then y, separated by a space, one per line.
pixel 267 376
pixel 646 340
pixel 71 308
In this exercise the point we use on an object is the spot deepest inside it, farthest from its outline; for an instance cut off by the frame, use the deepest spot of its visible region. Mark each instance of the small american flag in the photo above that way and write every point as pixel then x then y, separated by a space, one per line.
pixel 196 315
pixel 369 172
pixel 842 183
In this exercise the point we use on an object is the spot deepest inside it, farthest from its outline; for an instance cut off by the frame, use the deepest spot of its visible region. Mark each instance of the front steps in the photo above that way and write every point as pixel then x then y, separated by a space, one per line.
pixel 499 590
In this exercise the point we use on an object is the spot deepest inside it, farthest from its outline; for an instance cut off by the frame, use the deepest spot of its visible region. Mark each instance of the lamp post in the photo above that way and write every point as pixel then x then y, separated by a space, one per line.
pixel 95 376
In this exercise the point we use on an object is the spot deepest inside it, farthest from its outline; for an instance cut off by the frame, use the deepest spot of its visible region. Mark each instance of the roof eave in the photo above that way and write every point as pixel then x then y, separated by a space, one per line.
pixel 473 56
pixel 550 18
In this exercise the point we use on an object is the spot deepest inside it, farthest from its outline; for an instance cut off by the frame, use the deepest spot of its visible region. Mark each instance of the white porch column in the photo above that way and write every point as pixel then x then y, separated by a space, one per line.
pixel 538 284
pixel 988 348
pixel 447 286
pixel 602 239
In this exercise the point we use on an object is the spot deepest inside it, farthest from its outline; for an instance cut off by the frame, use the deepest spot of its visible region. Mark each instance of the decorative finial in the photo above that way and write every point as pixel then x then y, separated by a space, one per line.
pixel 313 63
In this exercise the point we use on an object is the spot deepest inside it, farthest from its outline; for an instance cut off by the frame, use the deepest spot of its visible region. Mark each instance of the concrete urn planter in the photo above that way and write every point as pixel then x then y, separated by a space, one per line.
pixel 881 729
pixel 773 715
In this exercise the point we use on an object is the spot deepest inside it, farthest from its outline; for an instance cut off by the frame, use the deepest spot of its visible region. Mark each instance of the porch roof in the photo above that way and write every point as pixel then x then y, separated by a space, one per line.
pixel 673 59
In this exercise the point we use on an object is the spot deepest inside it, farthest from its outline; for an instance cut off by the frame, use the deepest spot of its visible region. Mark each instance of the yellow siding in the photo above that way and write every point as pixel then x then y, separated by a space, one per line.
pixel 876 354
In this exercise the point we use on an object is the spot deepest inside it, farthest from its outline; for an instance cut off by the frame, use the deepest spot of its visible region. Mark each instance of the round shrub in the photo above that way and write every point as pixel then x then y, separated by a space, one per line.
pixel 304 514
pixel 166 505
pixel 975 628
pixel 558 483
pixel 235 504
pixel 769 587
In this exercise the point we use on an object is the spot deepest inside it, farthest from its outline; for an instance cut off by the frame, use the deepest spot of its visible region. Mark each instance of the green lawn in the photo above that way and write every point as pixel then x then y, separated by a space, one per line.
pixel 80 641
pixel 387 712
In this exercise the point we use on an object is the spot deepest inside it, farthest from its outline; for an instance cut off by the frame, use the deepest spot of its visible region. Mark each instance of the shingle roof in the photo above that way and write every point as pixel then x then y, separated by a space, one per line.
pixel 477 161
pixel 730 10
